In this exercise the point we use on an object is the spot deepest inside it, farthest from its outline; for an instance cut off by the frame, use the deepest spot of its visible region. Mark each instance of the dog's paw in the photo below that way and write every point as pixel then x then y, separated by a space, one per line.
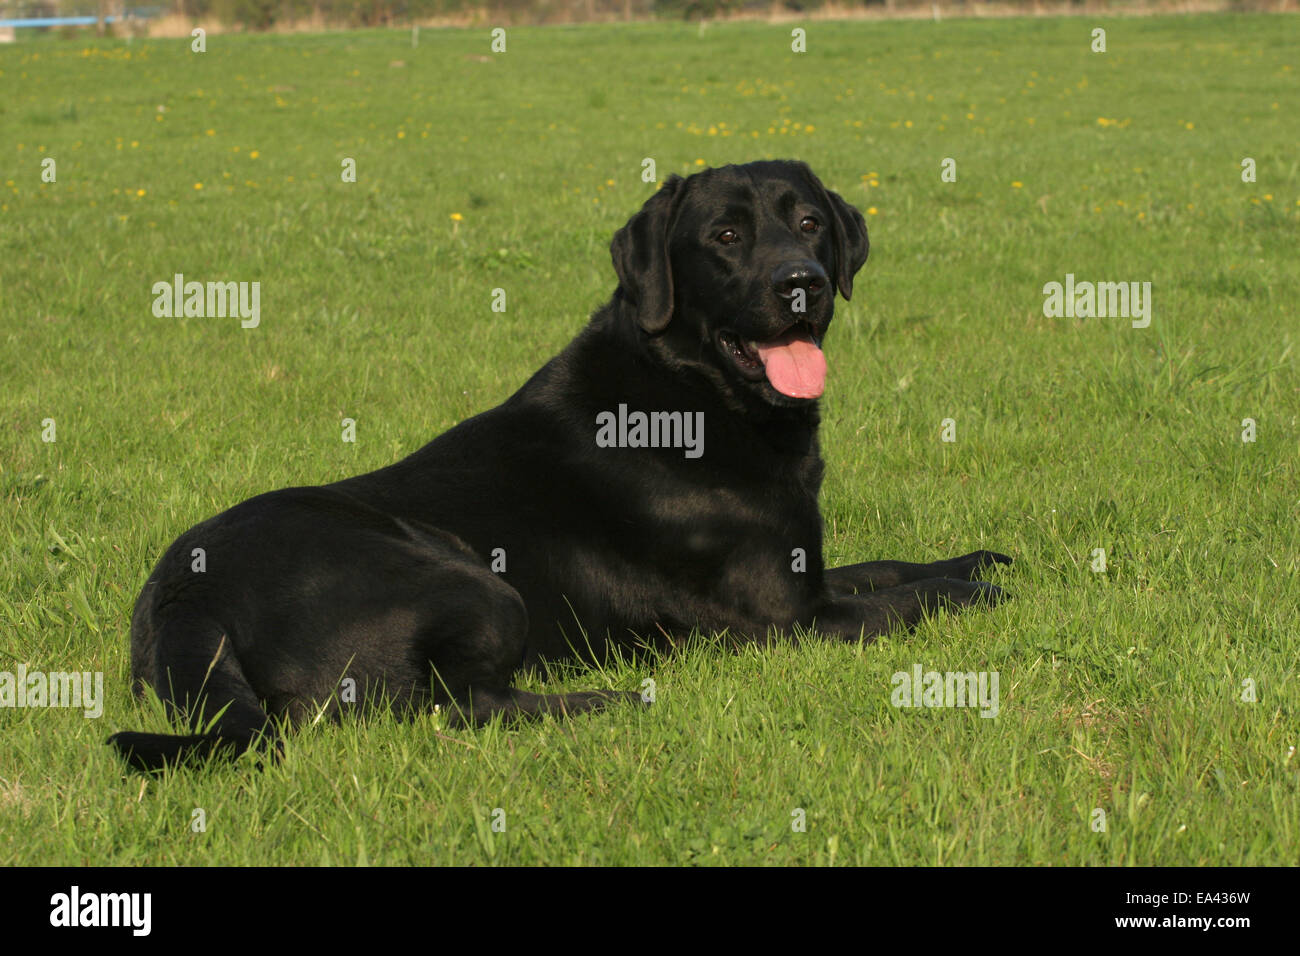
pixel 989 594
pixel 952 592
pixel 969 567
pixel 608 698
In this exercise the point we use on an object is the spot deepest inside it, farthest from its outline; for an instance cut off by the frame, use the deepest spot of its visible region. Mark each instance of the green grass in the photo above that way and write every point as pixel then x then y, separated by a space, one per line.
pixel 1119 691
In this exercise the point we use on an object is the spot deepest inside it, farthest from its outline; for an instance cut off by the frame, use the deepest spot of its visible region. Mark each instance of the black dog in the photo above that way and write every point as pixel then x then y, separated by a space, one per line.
pixel 659 475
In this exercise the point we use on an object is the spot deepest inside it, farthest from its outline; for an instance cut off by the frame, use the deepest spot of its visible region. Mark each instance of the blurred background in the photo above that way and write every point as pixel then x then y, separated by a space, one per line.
pixel 178 17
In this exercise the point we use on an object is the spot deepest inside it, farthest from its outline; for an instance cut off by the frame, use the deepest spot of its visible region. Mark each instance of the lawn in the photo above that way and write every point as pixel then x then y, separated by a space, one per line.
pixel 1161 691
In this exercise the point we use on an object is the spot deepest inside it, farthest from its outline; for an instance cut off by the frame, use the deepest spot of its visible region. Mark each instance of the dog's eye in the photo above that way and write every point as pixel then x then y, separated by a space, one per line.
pixel 809 224
pixel 728 236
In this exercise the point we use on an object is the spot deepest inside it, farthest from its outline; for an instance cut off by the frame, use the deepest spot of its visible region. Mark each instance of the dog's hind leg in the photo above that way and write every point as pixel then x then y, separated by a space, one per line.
pixel 196 674
pixel 476 650
pixel 513 704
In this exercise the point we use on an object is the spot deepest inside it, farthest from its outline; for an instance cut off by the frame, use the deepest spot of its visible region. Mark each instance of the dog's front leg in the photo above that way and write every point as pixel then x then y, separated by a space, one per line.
pixel 867 615
pixel 880 575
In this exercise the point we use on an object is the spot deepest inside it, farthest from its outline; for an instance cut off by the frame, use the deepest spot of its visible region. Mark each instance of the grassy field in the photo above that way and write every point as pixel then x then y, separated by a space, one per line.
pixel 1121 691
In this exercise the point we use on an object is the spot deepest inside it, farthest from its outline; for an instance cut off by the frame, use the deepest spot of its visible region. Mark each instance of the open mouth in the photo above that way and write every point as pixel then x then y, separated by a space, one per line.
pixel 792 362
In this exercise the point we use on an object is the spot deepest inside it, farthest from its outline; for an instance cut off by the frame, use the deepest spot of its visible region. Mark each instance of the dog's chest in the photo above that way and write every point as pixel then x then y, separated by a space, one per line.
pixel 706 531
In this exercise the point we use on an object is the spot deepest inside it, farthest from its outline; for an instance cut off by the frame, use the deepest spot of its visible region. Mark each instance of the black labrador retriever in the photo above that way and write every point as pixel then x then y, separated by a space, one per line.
pixel 659 475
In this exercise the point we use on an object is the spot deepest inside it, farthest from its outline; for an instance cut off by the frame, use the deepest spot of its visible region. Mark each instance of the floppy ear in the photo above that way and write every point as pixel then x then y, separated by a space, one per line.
pixel 640 253
pixel 848 232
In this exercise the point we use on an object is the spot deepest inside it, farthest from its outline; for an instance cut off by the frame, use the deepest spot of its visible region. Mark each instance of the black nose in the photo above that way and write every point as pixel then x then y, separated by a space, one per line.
pixel 806 275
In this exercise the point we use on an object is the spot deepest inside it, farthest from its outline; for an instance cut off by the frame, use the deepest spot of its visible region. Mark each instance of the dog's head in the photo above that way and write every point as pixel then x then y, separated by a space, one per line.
pixel 735 270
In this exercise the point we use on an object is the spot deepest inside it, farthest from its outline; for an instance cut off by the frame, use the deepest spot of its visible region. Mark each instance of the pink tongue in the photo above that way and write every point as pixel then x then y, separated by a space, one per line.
pixel 794 364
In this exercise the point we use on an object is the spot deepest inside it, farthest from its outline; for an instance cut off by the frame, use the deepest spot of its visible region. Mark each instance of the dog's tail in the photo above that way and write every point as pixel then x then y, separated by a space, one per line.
pixel 196 674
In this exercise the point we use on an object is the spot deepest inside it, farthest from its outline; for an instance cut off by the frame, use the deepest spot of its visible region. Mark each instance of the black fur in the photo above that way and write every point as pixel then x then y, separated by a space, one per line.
pixel 385 578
